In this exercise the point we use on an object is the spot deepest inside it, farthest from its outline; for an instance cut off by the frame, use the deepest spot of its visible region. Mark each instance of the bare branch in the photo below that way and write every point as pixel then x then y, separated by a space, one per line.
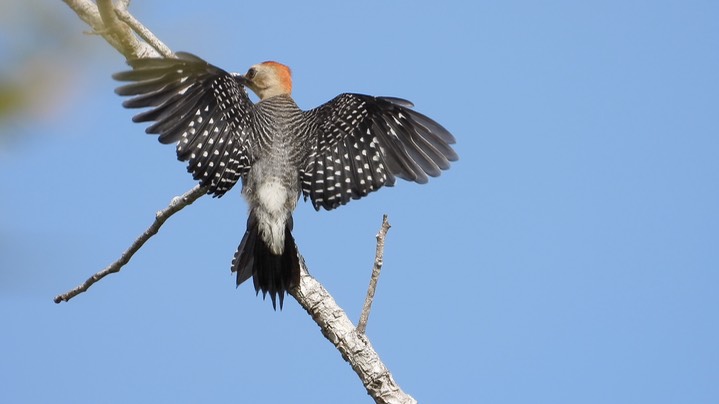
pixel 353 345
pixel 378 260
pixel 103 20
pixel 88 12
pixel 144 33
pixel 175 206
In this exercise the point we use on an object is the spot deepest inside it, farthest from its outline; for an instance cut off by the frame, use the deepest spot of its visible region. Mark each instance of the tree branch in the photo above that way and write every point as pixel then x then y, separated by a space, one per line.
pixel 144 33
pixel 354 346
pixel 175 206
pixel 118 27
pixel 103 21
pixel 378 260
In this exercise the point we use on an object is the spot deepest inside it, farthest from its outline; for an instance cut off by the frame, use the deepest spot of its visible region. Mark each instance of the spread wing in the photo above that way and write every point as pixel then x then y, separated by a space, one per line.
pixel 362 143
pixel 202 108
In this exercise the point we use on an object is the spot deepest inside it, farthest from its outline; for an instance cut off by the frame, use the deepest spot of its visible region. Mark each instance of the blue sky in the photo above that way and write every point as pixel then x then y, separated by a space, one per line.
pixel 571 255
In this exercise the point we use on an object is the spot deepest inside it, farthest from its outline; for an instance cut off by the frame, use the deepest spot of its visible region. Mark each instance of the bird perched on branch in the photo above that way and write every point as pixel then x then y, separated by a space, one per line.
pixel 339 151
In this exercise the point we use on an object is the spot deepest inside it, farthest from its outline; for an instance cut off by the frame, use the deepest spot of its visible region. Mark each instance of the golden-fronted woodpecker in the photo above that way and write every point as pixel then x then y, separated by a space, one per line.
pixel 339 151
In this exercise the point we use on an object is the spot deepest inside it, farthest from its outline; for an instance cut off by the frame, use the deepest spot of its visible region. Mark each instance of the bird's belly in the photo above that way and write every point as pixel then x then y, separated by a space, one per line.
pixel 273 196
pixel 272 191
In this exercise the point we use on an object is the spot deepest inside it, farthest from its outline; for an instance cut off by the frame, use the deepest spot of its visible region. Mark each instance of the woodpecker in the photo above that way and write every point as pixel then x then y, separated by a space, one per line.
pixel 339 151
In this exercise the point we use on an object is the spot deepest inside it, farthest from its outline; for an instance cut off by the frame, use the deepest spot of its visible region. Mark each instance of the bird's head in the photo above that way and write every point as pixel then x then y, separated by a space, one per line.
pixel 268 79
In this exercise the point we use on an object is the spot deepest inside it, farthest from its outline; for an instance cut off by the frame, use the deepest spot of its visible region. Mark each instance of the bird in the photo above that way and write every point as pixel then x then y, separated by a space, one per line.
pixel 339 151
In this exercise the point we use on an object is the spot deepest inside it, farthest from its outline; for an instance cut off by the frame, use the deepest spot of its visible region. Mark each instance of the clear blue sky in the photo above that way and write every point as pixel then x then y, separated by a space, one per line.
pixel 570 256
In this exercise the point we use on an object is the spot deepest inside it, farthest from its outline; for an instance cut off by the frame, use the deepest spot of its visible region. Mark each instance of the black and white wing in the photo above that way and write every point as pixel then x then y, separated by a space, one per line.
pixel 201 107
pixel 362 143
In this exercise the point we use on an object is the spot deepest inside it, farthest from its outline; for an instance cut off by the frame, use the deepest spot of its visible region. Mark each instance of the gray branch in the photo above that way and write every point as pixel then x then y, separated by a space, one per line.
pixel 102 18
pixel 144 33
pixel 376 269
pixel 175 206
pixel 354 346
pixel 121 30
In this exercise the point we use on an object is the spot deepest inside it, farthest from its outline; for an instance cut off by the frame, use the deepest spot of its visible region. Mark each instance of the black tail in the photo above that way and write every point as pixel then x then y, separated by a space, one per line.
pixel 271 273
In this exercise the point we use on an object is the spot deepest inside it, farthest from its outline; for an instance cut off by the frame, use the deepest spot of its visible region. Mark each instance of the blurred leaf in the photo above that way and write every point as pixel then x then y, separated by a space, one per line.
pixel 12 98
pixel 38 42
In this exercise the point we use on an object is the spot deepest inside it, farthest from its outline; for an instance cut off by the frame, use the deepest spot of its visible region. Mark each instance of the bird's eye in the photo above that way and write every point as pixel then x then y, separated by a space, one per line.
pixel 251 73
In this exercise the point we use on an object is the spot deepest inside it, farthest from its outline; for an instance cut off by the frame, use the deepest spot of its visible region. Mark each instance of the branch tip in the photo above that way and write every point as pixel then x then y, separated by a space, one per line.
pixel 177 204
pixel 376 269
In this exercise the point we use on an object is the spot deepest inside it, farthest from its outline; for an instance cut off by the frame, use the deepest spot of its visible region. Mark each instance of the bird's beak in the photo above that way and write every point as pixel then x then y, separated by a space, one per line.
pixel 243 80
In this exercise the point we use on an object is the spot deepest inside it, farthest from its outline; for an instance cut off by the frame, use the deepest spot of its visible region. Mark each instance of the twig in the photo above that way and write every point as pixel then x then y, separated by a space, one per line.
pixel 353 345
pixel 378 260
pixel 88 12
pixel 103 21
pixel 175 206
pixel 130 45
pixel 144 33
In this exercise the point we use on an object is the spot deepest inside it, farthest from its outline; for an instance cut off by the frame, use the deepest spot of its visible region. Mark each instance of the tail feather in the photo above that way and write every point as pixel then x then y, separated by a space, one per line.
pixel 271 273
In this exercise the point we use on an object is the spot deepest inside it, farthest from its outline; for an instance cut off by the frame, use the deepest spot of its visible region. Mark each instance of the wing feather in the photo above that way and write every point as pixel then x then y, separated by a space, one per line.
pixel 202 108
pixel 362 143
